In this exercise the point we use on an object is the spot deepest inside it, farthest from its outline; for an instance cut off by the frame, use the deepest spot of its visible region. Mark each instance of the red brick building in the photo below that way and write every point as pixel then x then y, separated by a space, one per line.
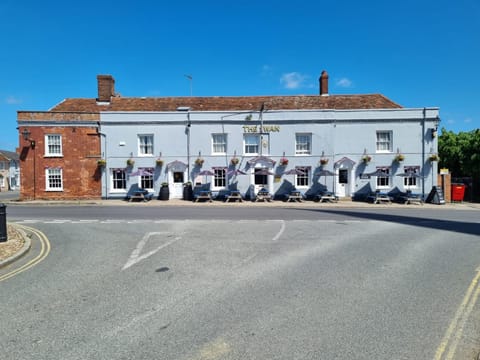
pixel 58 155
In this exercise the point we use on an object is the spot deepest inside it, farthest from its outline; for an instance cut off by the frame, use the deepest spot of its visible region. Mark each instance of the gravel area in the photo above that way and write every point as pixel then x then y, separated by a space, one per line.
pixel 14 243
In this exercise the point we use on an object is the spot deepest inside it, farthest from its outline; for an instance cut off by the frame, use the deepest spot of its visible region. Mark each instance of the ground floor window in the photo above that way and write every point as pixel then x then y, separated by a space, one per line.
pixel 384 181
pixel 119 179
pixel 54 180
pixel 414 172
pixel 146 179
pixel 303 176
pixel 219 179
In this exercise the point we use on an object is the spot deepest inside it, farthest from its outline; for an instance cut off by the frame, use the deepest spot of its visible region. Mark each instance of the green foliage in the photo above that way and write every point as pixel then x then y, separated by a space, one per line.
pixel 460 153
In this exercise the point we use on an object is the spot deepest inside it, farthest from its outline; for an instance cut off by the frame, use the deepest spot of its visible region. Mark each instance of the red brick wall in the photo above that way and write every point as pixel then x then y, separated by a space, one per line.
pixel 81 176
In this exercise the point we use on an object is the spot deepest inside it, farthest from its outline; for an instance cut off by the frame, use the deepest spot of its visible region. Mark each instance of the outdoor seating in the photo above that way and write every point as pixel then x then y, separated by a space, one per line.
pixel 233 195
pixel 263 195
pixel 203 195
pixel 141 194
pixel 294 196
pixel 379 198
pixel 326 196
pixel 410 198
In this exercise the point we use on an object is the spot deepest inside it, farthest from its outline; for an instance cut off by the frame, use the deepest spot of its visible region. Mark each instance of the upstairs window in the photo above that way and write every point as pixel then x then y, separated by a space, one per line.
pixel 53 145
pixel 384 141
pixel 145 144
pixel 303 144
pixel 252 144
pixel 219 144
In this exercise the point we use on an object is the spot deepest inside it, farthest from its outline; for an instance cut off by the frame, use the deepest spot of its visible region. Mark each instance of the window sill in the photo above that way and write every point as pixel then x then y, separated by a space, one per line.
pixel 54 190
pixel 53 156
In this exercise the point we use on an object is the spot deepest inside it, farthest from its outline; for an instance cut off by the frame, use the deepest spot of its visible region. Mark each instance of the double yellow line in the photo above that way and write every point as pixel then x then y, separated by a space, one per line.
pixel 454 333
pixel 44 251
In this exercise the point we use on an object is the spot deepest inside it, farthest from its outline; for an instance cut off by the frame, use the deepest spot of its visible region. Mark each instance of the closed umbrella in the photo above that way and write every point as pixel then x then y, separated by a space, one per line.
pixel 206 173
pixel 325 173
pixel 263 172
pixel 236 172
pixel 294 172
pixel 141 172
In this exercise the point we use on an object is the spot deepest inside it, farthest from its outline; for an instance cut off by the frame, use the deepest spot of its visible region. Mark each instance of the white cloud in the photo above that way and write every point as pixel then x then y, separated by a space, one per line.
pixel 468 120
pixel 450 121
pixel 12 100
pixel 344 83
pixel 293 80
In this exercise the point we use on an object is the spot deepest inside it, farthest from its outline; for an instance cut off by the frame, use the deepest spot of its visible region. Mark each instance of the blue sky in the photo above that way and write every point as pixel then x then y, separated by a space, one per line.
pixel 415 52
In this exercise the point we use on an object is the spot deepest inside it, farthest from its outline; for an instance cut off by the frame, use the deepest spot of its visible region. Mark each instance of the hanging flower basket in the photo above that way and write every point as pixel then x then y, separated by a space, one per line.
pixel 366 159
pixel 159 162
pixel 399 157
pixel 283 161
pixel 433 157
pixel 101 162
pixel 234 161
pixel 323 161
pixel 199 161
pixel 130 162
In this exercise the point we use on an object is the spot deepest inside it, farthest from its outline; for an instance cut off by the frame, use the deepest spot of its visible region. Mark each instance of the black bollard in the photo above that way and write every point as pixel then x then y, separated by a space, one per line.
pixel 3 223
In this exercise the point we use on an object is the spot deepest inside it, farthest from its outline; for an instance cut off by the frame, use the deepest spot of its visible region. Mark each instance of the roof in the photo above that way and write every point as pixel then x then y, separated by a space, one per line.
pixel 9 155
pixel 225 103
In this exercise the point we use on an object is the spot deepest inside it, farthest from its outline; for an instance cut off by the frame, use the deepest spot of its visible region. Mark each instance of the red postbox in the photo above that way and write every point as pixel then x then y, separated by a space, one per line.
pixel 458 192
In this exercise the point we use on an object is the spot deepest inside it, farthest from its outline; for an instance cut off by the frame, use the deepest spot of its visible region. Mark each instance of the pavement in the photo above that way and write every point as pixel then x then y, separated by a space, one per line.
pixel 11 199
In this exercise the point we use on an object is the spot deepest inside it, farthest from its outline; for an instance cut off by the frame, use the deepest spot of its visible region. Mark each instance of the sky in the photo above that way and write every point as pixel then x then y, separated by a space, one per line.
pixel 418 53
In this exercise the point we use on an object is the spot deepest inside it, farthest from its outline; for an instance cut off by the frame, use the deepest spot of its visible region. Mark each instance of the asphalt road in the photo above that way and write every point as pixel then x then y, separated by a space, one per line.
pixel 246 283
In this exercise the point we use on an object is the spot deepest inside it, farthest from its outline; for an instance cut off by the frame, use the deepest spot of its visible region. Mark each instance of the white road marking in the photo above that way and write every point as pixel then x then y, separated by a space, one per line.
pixel 135 257
pixel 282 229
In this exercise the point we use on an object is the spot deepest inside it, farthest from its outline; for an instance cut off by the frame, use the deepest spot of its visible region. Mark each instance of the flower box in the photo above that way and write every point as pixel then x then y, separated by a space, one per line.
pixel 159 162
pixel 323 161
pixel 234 161
pixel 101 162
pixel 399 158
pixel 366 159
pixel 433 157
pixel 283 161
pixel 199 161
pixel 130 162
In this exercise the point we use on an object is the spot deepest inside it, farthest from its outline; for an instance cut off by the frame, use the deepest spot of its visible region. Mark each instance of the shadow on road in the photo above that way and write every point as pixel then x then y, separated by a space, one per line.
pixel 437 224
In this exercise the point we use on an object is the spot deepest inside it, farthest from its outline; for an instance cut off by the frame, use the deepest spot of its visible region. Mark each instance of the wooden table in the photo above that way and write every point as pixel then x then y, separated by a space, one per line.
pixel 295 196
pixel 234 196
pixel 204 195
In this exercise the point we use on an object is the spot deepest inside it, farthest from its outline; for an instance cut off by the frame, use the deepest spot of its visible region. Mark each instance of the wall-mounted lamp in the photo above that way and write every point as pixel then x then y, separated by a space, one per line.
pixel 26 136
pixel 434 133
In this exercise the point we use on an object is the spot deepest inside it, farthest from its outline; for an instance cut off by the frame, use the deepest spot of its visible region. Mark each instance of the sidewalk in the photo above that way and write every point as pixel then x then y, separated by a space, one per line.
pixel 347 203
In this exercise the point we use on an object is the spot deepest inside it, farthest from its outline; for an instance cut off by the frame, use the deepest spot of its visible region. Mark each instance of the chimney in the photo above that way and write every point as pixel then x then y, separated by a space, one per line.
pixel 106 87
pixel 323 83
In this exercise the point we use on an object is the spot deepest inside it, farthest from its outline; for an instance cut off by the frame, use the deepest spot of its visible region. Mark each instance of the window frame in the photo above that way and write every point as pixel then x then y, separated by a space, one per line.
pixel 257 137
pixel 305 183
pixel 50 180
pixel 384 182
pixel 410 182
pixel 114 189
pixel 48 145
pixel 223 144
pixel 219 178
pixel 303 152
pixel 144 146
pixel 143 179
pixel 379 142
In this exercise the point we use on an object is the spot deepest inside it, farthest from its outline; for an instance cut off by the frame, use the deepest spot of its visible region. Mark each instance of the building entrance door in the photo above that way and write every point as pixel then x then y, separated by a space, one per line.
pixel 344 178
pixel 176 184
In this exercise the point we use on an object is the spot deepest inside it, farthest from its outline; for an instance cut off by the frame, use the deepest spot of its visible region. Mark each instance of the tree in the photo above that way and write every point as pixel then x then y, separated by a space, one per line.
pixel 460 153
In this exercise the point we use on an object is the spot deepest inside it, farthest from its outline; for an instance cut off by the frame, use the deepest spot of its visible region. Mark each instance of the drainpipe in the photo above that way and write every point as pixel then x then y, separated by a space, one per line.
pixel 105 153
pixel 423 152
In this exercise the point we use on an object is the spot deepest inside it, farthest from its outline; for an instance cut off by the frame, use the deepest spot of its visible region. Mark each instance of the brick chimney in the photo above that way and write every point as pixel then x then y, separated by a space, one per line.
pixel 106 87
pixel 323 83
